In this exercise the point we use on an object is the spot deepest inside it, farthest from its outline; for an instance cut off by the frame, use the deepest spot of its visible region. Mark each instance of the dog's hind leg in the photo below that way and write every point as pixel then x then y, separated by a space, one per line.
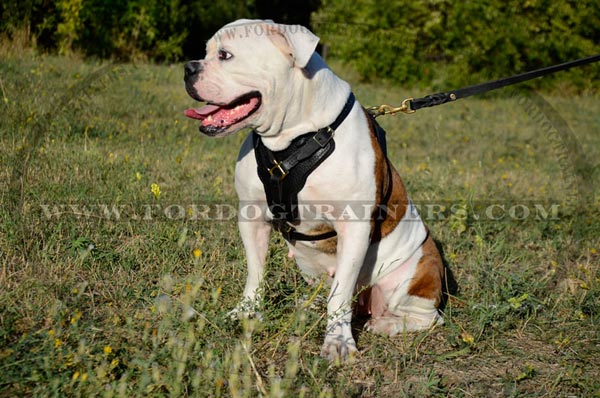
pixel 409 306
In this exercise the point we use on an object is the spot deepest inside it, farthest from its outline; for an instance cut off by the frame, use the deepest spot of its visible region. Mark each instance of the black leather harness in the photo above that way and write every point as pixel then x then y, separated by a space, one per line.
pixel 284 173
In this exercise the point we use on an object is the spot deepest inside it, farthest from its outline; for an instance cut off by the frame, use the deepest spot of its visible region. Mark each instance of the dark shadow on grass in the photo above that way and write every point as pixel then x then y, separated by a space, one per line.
pixel 449 283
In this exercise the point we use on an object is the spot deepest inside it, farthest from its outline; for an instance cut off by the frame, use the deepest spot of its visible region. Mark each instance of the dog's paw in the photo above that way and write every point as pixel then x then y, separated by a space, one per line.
pixel 339 349
pixel 244 310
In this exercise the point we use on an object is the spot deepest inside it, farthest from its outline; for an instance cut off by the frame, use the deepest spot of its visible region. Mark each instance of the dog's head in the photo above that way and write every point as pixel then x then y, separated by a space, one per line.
pixel 248 75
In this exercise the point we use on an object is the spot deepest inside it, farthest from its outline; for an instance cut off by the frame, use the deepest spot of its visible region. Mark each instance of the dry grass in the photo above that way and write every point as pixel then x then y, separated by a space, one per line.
pixel 92 306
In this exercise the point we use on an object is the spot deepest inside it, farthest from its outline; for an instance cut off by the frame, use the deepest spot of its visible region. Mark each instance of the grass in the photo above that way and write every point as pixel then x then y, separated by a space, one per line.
pixel 95 306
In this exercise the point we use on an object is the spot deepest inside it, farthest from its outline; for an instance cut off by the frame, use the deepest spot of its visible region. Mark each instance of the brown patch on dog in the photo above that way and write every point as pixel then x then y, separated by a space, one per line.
pixel 427 281
pixel 392 199
pixel 329 245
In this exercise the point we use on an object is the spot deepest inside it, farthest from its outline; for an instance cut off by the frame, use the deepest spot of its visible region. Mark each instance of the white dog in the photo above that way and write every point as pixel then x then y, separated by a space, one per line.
pixel 315 167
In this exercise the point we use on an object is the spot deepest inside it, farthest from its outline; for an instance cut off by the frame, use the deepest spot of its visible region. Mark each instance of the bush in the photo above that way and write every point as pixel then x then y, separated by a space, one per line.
pixel 458 43
pixel 438 43
pixel 125 30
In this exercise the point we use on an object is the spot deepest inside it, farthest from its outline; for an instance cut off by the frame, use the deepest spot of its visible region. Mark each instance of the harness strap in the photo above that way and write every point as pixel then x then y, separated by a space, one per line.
pixel 290 233
pixel 284 173
pixel 307 148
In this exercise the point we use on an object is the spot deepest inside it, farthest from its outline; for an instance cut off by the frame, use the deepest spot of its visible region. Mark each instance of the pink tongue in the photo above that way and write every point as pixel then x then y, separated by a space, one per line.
pixel 213 115
pixel 201 113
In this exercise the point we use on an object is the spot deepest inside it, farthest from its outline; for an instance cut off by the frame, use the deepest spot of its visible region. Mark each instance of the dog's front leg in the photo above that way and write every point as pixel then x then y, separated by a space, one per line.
pixel 353 243
pixel 255 236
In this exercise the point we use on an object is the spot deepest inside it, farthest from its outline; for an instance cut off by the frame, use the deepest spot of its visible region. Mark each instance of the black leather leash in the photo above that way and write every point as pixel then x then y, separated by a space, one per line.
pixel 411 105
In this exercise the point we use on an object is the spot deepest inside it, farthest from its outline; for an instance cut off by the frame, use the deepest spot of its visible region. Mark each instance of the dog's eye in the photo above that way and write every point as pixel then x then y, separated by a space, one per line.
pixel 224 55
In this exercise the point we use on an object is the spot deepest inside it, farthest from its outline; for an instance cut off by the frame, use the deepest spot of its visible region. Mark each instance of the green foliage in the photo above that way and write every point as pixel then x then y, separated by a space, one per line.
pixel 459 42
pixel 70 26
pixel 437 43
pixel 125 30
pixel 383 38
pixel 138 29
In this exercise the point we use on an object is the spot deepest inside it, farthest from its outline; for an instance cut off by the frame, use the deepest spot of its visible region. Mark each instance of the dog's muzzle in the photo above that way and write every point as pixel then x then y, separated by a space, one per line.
pixel 192 70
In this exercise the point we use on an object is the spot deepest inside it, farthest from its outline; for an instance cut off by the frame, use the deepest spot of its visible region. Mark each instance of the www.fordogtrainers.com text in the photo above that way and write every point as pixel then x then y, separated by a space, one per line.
pixel 258 211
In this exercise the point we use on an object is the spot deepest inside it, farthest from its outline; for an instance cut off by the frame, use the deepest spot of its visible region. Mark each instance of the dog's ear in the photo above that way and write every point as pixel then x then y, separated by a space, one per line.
pixel 295 41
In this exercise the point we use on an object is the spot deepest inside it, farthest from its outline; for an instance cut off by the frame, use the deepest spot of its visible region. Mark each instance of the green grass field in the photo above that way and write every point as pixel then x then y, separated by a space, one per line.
pixel 95 303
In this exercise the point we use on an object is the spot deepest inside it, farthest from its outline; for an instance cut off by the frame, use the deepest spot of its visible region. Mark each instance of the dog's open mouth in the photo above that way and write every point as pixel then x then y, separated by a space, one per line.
pixel 216 118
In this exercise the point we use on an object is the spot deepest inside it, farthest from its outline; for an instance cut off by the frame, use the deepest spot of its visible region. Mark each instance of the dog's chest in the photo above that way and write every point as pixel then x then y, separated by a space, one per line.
pixel 315 258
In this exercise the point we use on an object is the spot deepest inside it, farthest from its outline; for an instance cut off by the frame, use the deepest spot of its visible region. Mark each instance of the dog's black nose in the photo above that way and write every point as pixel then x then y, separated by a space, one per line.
pixel 192 68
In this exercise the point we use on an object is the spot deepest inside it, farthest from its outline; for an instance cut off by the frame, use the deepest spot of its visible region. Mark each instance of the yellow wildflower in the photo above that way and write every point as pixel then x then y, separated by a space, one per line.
pixel 107 349
pixel 197 253
pixel 467 338
pixel 76 316
pixel 155 190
